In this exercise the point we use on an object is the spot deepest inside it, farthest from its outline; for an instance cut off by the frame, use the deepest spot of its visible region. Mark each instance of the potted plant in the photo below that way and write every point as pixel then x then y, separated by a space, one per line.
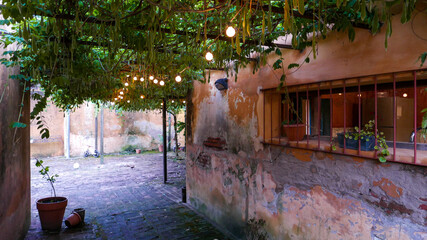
pixel 294 131
pixel 51 209
pixel 367 140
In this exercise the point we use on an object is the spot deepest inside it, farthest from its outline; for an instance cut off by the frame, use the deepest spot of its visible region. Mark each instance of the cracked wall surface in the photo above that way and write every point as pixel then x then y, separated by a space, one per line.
pixel 302 194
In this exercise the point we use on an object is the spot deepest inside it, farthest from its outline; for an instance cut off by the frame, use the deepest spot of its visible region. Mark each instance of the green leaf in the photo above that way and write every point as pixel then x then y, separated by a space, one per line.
pixel 382 159
pixel 293 65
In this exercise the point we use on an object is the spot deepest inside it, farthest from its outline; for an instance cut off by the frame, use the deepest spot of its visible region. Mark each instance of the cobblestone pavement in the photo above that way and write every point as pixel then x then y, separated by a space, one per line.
pixel 125 198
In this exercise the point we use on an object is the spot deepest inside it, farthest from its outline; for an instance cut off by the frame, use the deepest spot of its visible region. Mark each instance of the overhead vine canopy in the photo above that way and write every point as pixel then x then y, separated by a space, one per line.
pixel 89 50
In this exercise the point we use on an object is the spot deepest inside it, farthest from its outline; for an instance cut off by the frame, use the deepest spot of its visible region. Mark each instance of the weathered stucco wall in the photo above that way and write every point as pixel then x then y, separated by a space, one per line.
pixel 14 159
pixel 303 194
pixel 142 129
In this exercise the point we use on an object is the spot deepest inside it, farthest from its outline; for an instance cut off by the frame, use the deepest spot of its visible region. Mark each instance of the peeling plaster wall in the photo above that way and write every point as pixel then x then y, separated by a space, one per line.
pixel 14 158
pixel 142 129
pixel 303 194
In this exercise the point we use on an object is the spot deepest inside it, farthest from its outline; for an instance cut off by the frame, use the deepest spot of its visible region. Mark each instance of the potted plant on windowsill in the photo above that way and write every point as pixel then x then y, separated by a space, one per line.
pixel 294 131
pixel 51 209
pixel 367 140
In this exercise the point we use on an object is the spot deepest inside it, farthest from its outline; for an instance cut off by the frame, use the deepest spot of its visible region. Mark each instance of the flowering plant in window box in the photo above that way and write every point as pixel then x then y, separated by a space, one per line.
pixel 367 140
pixel 293 130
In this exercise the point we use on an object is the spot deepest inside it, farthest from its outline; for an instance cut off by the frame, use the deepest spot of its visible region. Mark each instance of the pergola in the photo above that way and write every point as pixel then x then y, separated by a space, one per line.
pixel 98 50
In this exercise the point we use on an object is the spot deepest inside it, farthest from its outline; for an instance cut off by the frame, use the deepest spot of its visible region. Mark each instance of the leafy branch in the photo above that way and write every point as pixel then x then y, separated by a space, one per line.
pixel 44 171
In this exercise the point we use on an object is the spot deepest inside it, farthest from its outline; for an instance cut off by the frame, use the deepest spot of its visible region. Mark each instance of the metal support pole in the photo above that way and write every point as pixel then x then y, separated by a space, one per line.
pixel 96 132
pixel 67 134
pixel 101 140
pixel 165 167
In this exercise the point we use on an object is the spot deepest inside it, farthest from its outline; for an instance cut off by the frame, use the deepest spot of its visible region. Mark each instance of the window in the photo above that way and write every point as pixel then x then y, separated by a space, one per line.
pixel 377 116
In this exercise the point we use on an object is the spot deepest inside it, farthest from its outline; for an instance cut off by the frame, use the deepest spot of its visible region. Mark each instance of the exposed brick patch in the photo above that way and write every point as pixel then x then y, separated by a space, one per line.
pixel 216 143
pixel 423 207
pixel 204 160
pixel 389 188
pixel 392 207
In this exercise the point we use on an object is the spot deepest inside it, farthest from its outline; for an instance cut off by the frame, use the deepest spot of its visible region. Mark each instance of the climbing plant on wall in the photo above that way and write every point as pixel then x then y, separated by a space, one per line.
pixel 80 51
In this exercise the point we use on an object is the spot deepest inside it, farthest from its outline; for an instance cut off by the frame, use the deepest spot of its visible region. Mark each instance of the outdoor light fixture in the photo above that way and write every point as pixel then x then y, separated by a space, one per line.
pixel 340 94
pixel 230 31
pixel 126 84
pixel 142 97
pixel 141 79
pixel 209 56
pixel 405 95
pixel 155 81
pixel 121 97
pixel 127 76
pixel 173 101
pixel 115 99
pixel 121 93
pixel 134 78
pixel 221 84
pixel 161 104
pixel 183 101
pixel 162 83
pixel 128 101
pixel 151 77
pixel 178 78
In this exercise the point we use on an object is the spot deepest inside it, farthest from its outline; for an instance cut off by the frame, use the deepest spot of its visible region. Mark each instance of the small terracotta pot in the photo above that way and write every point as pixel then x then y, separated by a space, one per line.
pixel 138 151
pixel 81 212
pixel 73 220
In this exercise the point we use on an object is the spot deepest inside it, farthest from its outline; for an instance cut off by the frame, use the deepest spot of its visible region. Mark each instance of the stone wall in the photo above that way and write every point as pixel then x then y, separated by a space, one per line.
pixel 14 158
pixel 302 194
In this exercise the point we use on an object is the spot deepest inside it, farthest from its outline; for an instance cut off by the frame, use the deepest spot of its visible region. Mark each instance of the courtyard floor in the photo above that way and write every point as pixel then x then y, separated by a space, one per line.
pixel 124 198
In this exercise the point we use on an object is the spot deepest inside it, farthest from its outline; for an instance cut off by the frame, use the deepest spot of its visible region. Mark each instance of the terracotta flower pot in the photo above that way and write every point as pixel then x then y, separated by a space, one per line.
pixel 81 212
pixel 73 220
pixel 51 212
pixel 294 132
pixel 138 151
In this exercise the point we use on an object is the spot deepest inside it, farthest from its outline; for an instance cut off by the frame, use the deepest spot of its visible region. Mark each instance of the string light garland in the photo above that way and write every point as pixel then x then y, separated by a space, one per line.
pixel 155 81
pixel 178 79
pixel 230 32
pixel 209 56
pixel 162 83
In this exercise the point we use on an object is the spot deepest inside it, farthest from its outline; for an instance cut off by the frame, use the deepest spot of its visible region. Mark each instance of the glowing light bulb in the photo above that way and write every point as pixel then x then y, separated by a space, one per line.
pixel 121 97
pixel 161 104
pixel 183 101
pixel 405 95
pixel 209 56
pixel 173 101
pixel 230 31
pixel 115 99
pixel 127 76
pixel 134 78
pixel 151 77
pixel 121 93
pixel 141 79
pixel 340 94
pixel 162 83
pixel 128 101
pixel 112 103
pixel 126 84
pixel 155 81
pixel 142 97
pixel 178 78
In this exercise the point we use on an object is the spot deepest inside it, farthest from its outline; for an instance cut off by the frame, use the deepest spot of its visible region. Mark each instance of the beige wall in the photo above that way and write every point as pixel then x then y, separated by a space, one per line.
pixel 303 194
pixel 142 129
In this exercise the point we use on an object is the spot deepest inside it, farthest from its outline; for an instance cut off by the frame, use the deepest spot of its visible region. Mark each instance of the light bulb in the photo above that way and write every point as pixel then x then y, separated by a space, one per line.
pixel 126 84
pixel 142 97
pixel 141 79
pixel 405 95
pixel 151 77
pixel 178 78
pixel 127 75
pixel 162 83
pixel 121 93
pixel 230 31
pixel 134 78
pixel 183 101
pixel 112 103
pixel 173 101
pixel 121 97
pixel 209 56
pixel 161 104
pixel 115 99
pixel 128 101
pixel 155 81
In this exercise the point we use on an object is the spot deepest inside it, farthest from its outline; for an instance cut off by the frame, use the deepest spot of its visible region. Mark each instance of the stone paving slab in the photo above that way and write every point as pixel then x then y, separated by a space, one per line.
pixel 125 198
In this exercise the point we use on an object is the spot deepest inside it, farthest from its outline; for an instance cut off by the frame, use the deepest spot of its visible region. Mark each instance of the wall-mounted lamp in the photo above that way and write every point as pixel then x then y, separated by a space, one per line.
pixel 221 84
